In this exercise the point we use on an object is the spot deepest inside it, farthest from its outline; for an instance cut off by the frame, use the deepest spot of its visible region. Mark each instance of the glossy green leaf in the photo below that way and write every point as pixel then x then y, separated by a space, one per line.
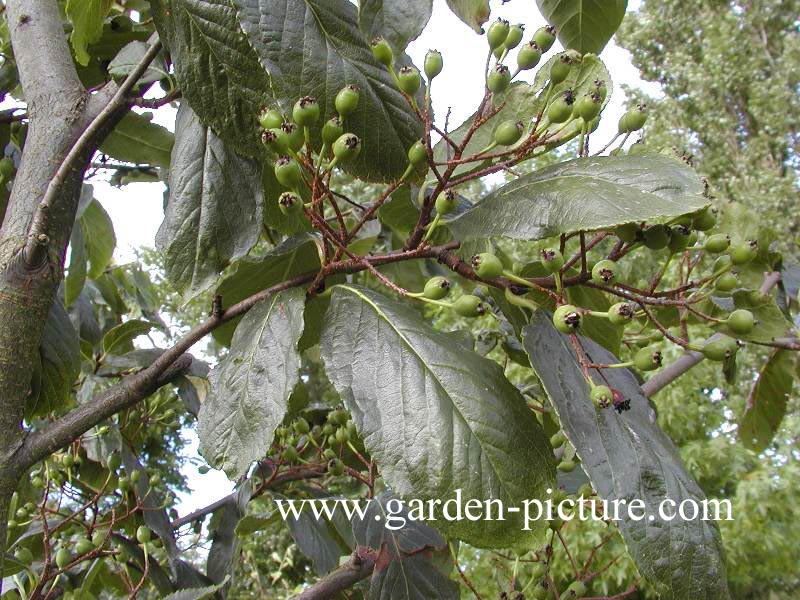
pixel 767 402
pixel 473 12
pixel 118 339
pixel 250 388
pixel 315 48
pixel 136 139
pixel 217 70
pixel 399 23
pixel 627 456
pixel 584 25
pixel 213 215
pixel 585 194
pixel 437 416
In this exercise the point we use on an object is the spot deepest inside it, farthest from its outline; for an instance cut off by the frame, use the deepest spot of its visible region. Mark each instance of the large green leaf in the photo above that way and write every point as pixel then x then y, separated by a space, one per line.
pixel 250 388
pixel 98 237
pixel 86 17
pixel 136 139
pixel 399 23
pixel 627 456
pixel 311 47
pixel 297 255
pixel 76 273
pixel 473 12
pixel 119 339
pixel 213 215
pixel 437 416
pixel 766 404
pixel 216 68
pixel 585 25
pixel 585 194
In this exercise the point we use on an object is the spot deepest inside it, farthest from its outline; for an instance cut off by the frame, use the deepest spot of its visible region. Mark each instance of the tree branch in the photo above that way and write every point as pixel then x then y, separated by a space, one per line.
pixel 354 570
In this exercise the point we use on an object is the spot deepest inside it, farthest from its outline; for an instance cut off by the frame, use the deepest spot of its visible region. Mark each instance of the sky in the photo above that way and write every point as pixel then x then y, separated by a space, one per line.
pixel 136 209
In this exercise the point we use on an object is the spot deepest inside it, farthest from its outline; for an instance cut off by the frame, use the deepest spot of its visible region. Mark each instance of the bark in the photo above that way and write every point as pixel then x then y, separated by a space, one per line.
pixel 359 567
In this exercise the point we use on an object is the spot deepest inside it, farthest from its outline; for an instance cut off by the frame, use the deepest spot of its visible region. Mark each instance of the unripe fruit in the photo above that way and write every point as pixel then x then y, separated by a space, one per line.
pixel 628 232
pixel 567 466
pixel 560 68
pixel 336 467
pixel 514 37
pixel 276 140
pixel 587 107
pixel 63 558
pixel 21 514
pixel 347 147
pixel 743 253
pixel 84 546
pixel 332 130
pixel 487 265
pixel 124 483
pixel 552 260
pixel 529 56
pixel 270 118
pixel 722 263
pixel 647 359
pixel 382 51
pixel 342 436
pixel 24 555
pixel 327 429
pixel 601 89
pixel 561 108
pixel 154 480
pixel 446 202
pixel 545 37
pixel 726 282
pixel 558 439
pixel 346 101
pixel 721 349
pixel 98 538
pixel 289 454
pixel 567 319
pixel 143 534
pixel 705 219
pixel 497 34
pixel 601 396
pixel 604 272
pixel 577 589
pixel 294 135
pixel 633 120
pixel 301 426
pixel 306 111
pixel 718 243
pixel 409 80
pixel 621 313
pixel 436 288
pixel 498 79
pixel 113 461
pixel 433 64
pixel 656 237
pixel 509 132
pixel 37 482
pixel 741 321
pixel 418 154
pixel 328 454
pixel 136 476
pixel 469 306
pixel 287 172
pixel 679 238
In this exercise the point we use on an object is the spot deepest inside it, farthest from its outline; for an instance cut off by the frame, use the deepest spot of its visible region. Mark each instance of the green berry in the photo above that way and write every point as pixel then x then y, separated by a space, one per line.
pixel 633 120
pixel 336 467
pixel 498 79
pixel 588 106
pixel 647 359
pixel 497 34
pixel 21 514
pixel 743 253
pixel 84 546
pixel 604 272
pixel 560 68
pixel 409 80
pixel 288 173
pixel 328 454
pixel 656 237
pixel 270 118
pixel 726 282
pixel 545 37
pixel 601 89
pixel 301 426
pixel 63 558
pixel 418 153
pixel 741 321
pixel 601 396
pixel 722 263
pixel 113 461
pixel 433 64
pixel 332 130
pixel 487 265
pixel 276 140
pixel 717 243
pixel 347 147
pixel 528 56
pixel 23 555
pixel 720 349
pixel 621 313
pixel 577 589
pixel 98 538
pixel 328 428
pixel 124 484
pixel 346 101
pixel 294 135
pixel 37 482
pixel 552 260
pixel 567 466
pixel 679 238
pixel 143 534
pixel 628 232
pixel 705 219
pixel 558 439
pixel 514 37
pixel 289 454
pixel 567 318
pixel 342 435
pixel 469 306
pixel 306 111
pixel 446 202
pixel 436 288
pixel 154 480
pixel 382 51
pixel 509 132
pixel 561 108
pixel 136 476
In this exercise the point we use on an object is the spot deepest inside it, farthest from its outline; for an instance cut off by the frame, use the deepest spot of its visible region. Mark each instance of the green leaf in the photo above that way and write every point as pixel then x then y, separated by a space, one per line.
pixel 585 194
pixel 399 23
pixel 766 404
pixel 251 524
pixel 129 57
pixel 321 539
pixel 136 139
pixel 627 456
pixel 297 255
pixel 321 56
pixel 76 273
pixel 217 70
pixel 251 386
pixel 473 12
pixel 584 25
pixel 98 236
pixel 224 550
pixel 772 323
pixel 86 17
pixel 437 416
pixel 213 215
pixel 599 329
pixel 118 339
pixel 196 593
